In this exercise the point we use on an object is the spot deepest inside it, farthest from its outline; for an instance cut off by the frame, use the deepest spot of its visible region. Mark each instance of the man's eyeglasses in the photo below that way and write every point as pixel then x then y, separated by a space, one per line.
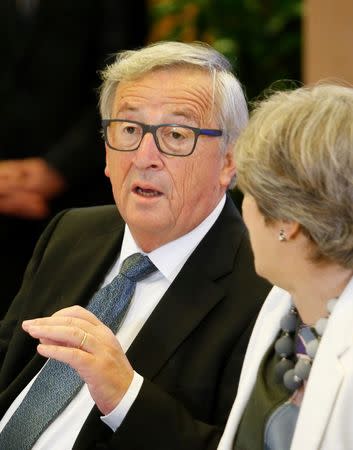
pixel 176 140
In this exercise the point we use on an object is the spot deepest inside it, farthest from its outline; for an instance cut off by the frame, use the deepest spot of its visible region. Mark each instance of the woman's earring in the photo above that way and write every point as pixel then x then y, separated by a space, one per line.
pixel 282 236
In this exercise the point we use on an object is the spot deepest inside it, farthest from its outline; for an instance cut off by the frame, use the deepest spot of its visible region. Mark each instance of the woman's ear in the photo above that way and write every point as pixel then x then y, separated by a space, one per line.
pixel 288 229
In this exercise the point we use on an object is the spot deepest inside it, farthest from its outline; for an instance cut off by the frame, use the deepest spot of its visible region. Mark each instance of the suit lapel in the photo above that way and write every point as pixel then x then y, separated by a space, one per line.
pixel 326 376
pixel 177 314
pixel 192 295
pixel 264 333
pixel 87 263
pixel 320 395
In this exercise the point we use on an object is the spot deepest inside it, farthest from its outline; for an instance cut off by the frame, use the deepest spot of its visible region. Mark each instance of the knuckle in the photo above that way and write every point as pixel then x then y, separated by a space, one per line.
pixel 75 308
pixel 69 321
pixel 77 332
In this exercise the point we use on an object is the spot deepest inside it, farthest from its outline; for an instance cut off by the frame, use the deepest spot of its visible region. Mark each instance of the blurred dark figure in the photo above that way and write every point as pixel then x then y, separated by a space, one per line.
pixel 51 152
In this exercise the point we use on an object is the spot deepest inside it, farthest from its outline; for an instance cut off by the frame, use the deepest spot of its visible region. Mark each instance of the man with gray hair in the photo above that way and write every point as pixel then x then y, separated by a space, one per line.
pixel 144 309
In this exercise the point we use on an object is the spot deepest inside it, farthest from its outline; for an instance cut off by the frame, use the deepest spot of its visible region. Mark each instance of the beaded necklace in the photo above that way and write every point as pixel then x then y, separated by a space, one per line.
pixel 293 370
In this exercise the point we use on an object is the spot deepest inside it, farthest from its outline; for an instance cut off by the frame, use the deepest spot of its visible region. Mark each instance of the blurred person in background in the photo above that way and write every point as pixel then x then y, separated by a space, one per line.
pixel 51 152
pixel 295 167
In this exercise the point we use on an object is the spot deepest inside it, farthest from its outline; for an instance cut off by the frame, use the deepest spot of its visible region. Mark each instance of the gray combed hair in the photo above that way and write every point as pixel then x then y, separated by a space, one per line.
pixel 229 102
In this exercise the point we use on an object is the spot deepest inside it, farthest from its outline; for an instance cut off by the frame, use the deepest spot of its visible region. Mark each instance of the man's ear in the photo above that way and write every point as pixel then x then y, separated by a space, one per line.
pixel 228 169
pixel 106 168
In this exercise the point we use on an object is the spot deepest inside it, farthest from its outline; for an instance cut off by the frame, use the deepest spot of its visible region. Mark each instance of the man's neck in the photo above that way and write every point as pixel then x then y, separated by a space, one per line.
pixel 148 241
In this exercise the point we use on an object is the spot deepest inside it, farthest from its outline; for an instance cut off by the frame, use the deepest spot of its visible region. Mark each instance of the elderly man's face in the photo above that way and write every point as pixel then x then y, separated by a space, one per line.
pixel 163 197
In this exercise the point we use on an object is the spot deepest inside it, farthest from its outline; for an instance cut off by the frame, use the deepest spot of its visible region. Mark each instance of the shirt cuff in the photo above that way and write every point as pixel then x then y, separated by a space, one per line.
pixel 115 418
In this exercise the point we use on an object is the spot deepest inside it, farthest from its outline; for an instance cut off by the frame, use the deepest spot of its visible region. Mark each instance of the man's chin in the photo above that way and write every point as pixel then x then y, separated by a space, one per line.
pixel 149 223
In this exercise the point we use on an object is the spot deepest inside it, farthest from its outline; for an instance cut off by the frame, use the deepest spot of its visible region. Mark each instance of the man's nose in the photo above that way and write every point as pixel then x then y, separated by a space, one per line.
pixel 147 154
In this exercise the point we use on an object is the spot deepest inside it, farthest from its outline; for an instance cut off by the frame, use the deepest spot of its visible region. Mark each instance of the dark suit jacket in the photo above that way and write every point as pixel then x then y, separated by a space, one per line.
pixel 190 350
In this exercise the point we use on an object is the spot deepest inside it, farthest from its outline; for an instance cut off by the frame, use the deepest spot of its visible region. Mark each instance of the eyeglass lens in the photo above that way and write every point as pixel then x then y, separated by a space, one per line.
pixel 175 140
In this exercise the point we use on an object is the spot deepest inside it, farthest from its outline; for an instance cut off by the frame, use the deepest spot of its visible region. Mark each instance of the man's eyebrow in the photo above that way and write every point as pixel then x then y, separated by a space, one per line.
pixel 125 107
pixel 189 115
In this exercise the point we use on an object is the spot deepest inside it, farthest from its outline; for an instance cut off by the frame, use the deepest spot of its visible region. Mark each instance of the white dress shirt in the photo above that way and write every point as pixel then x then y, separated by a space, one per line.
pixel 169 259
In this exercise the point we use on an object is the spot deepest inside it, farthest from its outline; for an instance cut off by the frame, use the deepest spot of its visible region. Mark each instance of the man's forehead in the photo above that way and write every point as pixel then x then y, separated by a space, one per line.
pixel 182 111
pixel 174 78
pixel 183 92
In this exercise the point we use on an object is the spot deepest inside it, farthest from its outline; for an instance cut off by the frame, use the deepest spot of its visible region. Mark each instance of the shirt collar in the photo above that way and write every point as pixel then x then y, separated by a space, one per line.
pixel 170 257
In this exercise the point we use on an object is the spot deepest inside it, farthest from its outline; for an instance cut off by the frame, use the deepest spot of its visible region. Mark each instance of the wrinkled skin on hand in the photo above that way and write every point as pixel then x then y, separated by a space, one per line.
pixel 76 337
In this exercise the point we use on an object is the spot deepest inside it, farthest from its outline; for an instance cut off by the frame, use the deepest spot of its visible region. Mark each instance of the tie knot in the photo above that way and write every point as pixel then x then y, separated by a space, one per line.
pixel 137 266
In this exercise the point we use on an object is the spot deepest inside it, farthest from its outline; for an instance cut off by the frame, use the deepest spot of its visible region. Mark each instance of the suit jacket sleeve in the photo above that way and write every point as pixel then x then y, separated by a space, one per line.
pixel 158 421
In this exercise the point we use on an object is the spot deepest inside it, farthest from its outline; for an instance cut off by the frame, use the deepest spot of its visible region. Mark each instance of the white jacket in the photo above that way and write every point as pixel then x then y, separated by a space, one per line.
pixel 325 420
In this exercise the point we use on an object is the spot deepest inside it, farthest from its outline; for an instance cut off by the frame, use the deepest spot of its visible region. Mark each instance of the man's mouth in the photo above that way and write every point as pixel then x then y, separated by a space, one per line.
pixel 147 192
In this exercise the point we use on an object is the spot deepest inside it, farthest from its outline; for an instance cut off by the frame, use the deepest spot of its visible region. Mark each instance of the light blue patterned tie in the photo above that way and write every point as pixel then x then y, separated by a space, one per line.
pixel 58 383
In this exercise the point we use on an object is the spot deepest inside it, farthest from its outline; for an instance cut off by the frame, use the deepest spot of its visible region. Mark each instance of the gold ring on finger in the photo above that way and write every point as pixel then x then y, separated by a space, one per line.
pixel 80 347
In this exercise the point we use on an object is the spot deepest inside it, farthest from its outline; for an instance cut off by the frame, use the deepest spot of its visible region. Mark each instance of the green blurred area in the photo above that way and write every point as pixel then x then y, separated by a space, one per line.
pixel 262 38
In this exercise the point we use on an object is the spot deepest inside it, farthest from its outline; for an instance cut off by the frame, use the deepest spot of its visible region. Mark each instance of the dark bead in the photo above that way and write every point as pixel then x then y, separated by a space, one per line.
pixel 289 322
pixel 290 382
pixel 302 368
pixel 284 346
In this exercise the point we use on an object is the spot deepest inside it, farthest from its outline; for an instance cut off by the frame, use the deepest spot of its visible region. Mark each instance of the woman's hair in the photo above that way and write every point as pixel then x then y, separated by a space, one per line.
pixel 229 104
pixel 296 159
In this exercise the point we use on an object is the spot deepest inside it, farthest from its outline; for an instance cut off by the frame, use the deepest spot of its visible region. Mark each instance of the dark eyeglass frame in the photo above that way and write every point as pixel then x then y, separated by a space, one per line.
pixel 153 130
